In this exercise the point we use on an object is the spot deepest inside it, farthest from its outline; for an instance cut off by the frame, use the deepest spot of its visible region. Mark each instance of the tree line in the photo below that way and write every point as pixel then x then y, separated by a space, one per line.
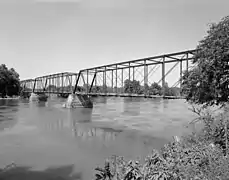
pixel 9 81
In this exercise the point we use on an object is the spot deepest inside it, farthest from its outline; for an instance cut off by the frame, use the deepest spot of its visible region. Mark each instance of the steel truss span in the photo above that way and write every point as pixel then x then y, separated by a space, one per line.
pixel 110 80
pixel 60 83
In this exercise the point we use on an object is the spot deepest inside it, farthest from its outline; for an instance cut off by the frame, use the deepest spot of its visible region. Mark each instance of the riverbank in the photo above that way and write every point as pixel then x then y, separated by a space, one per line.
pixel 6 98
pixel 9 98
pixel 201 155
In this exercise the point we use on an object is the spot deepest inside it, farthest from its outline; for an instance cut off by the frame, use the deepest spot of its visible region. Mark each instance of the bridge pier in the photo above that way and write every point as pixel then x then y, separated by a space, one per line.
pixel 78 100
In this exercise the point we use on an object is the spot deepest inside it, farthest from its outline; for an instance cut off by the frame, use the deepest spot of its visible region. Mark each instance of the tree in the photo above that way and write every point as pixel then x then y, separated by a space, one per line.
pixel 51 88
pixel 207 83
pixel 96 89
pixel 132 86
pixel 145 89
pixel 155 89
pixel 9 81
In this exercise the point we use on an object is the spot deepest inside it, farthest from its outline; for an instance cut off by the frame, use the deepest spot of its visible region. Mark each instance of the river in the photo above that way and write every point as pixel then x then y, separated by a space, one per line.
pixel 46 137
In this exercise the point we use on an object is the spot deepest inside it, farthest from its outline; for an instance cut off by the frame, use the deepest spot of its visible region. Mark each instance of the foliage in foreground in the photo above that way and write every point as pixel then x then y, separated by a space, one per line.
pixel 177 162
pixel 201 155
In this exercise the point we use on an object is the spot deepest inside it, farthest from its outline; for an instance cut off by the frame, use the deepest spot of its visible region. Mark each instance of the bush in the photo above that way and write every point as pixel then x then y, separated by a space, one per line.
pixel 177 161
pixel 201 155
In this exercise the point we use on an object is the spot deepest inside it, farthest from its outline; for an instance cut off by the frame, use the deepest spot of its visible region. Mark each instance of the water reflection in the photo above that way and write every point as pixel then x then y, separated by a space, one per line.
pixel 165 103
pixel 87 133
pixel 132 106
pixel 81 124
pixel 8 113
pixel 8 102
pixel 7 124
pixel 81 115
pixel 55 125
pixel 100 99
pixel 42 104
pixel 39 103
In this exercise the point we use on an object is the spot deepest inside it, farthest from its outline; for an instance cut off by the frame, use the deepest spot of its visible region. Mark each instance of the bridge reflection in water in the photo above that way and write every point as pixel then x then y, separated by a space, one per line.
pixel 79 121
pixel 85 130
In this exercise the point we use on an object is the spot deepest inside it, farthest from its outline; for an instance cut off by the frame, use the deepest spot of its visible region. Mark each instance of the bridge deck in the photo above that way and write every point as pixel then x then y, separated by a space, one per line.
pixel 118 95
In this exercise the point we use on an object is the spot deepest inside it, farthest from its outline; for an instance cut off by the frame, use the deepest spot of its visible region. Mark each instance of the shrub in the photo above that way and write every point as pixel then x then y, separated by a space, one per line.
pixel 201 155
pixel 177 161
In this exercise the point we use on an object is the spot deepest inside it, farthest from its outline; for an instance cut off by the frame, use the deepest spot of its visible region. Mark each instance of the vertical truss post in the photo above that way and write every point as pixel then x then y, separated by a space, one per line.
pixel 129 71
pixel 37 86
pixel 133 73
pixel 77 81
pixel 71 82
pixel 116 79
pixel 187 61
pixel 92 82
pixel 49 85
pixel 163 76
pixel 145 77
pixel 186 70
pixel 87 90
pixel 69 77
pixel 112 79
pixel 96 78
pixel 42 85
pixel 82 75
pixel 59 77
pixel 52 89
pixel 46 81
pixel 104 80
pixel 181 73
pixel 62 82
pixel 34 85
pixel 122 81
pixel 24 86
pixel 57 84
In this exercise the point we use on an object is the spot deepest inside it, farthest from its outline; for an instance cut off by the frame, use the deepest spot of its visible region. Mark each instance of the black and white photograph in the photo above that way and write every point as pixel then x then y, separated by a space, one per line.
pixel 114 90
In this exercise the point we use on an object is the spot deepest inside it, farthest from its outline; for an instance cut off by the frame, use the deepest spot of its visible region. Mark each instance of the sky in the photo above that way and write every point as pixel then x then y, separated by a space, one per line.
pixel 40 37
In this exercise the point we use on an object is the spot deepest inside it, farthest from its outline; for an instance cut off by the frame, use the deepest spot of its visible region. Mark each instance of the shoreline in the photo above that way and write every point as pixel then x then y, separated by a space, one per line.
pixel 10 98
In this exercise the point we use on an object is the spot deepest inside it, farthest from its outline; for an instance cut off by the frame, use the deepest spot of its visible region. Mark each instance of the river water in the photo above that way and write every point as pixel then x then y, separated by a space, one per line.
pixel 45 135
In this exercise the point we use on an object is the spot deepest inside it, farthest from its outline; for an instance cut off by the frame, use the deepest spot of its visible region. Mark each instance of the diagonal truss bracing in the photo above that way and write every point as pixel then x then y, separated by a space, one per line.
pixel 113 76
pixel 55 83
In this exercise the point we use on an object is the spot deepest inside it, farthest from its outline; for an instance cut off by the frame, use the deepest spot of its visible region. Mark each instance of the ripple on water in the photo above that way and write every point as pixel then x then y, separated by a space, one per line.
pixel 50 135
